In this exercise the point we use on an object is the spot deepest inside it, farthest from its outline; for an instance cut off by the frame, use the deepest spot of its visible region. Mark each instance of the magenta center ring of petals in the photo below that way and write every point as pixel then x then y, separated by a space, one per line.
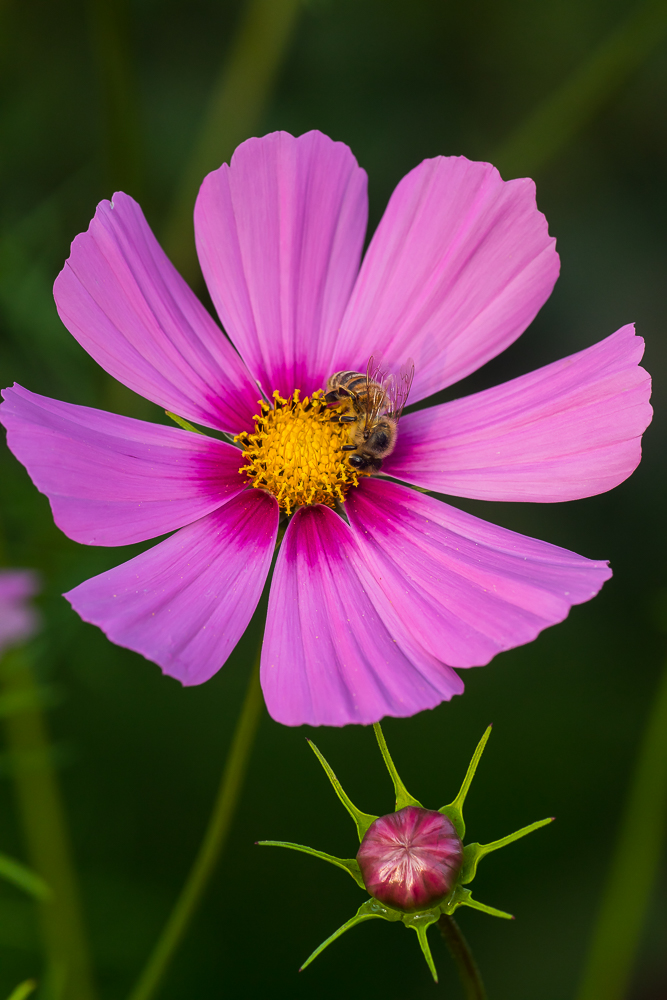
pixel 296 453
pixel 410 859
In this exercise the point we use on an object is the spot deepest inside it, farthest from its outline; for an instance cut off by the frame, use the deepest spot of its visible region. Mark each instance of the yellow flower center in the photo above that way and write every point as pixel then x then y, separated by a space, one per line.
pixel 296 452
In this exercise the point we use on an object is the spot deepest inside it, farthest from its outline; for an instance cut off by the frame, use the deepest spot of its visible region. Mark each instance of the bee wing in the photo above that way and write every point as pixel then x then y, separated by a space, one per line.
pixel 375 372
pixel 376 399
pixel 398 389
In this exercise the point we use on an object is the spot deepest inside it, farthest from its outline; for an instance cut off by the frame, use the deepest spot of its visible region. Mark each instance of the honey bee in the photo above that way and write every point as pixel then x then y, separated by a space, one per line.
pixel 373 404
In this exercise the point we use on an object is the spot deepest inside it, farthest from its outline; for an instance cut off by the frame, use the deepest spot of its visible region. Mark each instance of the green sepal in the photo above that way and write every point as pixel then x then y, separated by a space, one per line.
pixel 367 911
pixel 463 897
pixel 454 811
pixel 473 853
pixel 491 910
pixel 182 423
pixel 372 908
pixel 22 877
pixel 420 922
pixel 403 797
pixel 362 820
pixel 348 864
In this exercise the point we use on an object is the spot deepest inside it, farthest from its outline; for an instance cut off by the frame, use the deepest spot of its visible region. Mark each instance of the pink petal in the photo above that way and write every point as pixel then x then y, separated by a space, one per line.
pixel 113 480
pixel 17 585
pixel 468 589
pixel 329 656
pixel 18 619
pixel 126 304
pixel 571 429
pixel 186 602
pixel 458 267
pixel 279 236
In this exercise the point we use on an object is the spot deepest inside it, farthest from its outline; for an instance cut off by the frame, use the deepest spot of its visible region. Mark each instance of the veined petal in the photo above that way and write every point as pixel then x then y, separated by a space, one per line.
pixel 123 300
pixel 458 267
pixel 329 656
pixel 571 429
pixel 279 236
pixel 114 480
pixel 467 588
pixel 186 602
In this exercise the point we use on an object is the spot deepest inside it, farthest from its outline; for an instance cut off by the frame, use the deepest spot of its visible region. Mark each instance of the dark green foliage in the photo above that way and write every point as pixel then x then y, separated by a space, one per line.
pixel 140 755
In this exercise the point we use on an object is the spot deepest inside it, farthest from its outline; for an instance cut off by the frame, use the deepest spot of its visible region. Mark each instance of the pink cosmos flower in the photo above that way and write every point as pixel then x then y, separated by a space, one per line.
pixel 369 614
pixel 18 619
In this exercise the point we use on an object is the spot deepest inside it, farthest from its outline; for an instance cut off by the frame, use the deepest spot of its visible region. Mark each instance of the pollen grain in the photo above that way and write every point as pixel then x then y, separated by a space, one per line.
pixel 296 453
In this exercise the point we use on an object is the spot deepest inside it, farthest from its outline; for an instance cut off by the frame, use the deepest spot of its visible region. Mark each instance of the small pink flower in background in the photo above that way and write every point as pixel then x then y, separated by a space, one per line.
pixel 18 619
pixel 367 618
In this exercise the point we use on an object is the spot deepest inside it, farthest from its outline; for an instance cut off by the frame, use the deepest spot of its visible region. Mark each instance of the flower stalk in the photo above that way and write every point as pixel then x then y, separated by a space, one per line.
pixel 43 817
pixel 466 966
pixel 212 844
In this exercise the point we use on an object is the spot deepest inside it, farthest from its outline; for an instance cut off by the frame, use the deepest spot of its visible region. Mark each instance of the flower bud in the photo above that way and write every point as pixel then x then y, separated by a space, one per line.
pixel 410 859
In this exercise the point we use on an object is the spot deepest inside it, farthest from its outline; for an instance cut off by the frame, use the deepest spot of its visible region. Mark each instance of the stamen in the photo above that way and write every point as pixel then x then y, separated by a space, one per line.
pixel 297 453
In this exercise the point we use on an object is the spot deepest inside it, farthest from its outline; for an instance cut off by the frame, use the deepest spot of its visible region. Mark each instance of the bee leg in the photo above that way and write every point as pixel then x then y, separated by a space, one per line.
pixel 347 420
pixel 332 397
pixel 349 447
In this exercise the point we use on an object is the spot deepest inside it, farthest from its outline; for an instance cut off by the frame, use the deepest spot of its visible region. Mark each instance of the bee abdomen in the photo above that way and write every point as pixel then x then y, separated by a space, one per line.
pixel 350 381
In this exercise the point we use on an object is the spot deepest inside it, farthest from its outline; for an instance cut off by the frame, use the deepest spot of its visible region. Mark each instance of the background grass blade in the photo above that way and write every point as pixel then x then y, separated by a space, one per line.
pixel 634 866
pixel 555 123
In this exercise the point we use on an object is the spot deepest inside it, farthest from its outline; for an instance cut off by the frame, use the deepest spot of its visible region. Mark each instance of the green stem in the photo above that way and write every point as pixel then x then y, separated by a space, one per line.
pixel 555 122
pixel 235 108
pixel 463 957
pixel 23 990
pixel 634 866
pixel 119 95
pixel 211 846
pixel 43 817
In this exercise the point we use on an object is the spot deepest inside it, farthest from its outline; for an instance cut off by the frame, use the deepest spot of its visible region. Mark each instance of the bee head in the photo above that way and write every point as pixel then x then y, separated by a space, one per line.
pixel 381 439
pixel 365 463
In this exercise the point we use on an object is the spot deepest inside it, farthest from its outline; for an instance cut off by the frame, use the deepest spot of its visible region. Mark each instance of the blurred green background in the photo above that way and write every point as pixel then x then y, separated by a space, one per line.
pixel 99 96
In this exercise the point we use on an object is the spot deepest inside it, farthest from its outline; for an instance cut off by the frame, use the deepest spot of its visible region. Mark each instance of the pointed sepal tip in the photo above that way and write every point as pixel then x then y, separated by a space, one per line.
pixel 362 820
pixel 403 796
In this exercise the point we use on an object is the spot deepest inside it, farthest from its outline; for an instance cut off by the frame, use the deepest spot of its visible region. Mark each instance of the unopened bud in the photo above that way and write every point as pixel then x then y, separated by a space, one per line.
pixel 410 859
